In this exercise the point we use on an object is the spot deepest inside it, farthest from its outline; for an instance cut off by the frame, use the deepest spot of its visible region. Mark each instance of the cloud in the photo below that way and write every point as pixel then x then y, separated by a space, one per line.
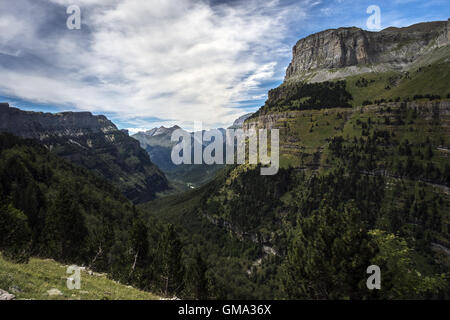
pixel 176 60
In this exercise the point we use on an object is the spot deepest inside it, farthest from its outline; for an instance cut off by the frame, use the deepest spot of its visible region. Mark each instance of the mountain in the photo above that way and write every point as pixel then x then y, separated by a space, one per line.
pixel 47 275
pixel 157 142
pixel 342 52
pixel 239 122
pixel 51 208
pixel 158 145
pixel 93 142
pixel 364 180
pixel 364 176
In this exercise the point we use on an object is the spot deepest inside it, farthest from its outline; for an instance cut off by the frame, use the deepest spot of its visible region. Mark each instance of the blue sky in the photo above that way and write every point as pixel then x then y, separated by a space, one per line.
pixel 166 62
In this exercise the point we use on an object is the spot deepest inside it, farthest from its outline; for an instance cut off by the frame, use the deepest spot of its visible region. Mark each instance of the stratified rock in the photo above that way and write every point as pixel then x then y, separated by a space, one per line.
pixel 320 56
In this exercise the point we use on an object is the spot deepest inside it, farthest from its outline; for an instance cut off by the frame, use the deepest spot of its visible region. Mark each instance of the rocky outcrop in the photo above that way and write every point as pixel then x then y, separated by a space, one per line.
pixel 342 52
pixel 268 121
pixel 239 122
pixel 93 142
pixel 5 295
pixel 40 125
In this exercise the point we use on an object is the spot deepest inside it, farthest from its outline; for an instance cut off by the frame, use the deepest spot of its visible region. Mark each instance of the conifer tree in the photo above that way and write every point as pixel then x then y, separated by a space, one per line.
pixel 172 270
pixel 15 235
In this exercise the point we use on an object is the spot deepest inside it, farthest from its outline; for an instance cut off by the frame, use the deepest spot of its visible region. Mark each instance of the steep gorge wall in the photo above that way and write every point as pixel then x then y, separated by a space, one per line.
pixel 361 51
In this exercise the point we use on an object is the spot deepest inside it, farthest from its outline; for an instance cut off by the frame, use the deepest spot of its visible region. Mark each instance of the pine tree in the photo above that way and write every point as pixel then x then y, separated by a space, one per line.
pixel 72 224
pixel 196 276
pixel 15 235
pixel 140 270
pixel 327 255
pixel 172 270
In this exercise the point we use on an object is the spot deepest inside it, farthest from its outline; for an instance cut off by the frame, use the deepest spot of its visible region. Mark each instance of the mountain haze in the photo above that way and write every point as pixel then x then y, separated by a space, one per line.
pixel 157 142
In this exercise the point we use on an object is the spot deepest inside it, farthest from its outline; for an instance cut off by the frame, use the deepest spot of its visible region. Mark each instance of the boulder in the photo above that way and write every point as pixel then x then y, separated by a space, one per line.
pixel 5 295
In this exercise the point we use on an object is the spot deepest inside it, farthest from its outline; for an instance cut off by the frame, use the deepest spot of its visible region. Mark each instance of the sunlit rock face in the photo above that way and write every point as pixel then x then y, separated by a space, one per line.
pixel 341 52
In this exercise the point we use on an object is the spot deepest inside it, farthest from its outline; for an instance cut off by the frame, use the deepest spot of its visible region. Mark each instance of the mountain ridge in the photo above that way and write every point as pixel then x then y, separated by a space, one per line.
pixel 341 52
pixel 93 142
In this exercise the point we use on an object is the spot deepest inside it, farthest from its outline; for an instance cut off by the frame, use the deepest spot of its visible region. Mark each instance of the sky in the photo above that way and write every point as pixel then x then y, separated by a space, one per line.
pixel 149 63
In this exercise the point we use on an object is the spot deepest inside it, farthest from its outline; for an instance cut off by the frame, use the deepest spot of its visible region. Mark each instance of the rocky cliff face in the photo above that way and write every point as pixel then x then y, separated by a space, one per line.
pixel 269 121
pixel 342 52
pixel 239 122
pixel 93 142
pixel 41 126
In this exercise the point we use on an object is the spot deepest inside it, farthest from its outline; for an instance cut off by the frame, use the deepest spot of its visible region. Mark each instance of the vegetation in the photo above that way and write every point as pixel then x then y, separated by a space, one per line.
pixel 33 279
pixel 53 209
pixel 306 96
pixel 358 186
pixel 429 76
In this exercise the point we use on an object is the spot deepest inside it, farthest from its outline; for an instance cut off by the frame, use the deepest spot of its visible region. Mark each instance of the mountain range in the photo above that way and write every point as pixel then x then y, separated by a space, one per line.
pixel 157 142
pixel 93 142
pixel 364 154
pixel 364 122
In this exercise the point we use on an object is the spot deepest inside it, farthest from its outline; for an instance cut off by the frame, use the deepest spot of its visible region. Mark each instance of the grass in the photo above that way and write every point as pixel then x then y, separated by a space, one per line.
pixel 307 134
pixel 32 281
pixel 427 77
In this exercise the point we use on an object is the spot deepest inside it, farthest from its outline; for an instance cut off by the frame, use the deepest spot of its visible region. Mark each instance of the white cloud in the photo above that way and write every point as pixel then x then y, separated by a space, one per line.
pixel 170 59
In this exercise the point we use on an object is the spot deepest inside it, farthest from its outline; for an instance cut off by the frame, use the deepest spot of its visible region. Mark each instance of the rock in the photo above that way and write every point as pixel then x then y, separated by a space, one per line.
pixel 54 292
pixel 321 56
pixel 5 295
pixel 168 298
pixel 239 122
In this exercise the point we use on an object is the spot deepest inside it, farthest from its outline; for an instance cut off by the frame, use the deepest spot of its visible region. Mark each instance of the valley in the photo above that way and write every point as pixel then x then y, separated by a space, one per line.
pixel 364 178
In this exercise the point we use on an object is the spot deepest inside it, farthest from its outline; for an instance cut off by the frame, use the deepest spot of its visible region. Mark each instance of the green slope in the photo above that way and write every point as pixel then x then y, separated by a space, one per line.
pixel 429 75
pixel 385 164
pixel 51 208
pixel 34 279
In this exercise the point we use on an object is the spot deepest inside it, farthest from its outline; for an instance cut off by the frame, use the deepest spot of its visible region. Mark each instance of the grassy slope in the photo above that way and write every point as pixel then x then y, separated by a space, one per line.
pixel 429 75
pixel 305 138
pixel 38 276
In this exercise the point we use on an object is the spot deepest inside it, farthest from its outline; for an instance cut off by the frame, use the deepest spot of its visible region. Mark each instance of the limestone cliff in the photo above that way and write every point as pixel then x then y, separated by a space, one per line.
pixel 342 52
